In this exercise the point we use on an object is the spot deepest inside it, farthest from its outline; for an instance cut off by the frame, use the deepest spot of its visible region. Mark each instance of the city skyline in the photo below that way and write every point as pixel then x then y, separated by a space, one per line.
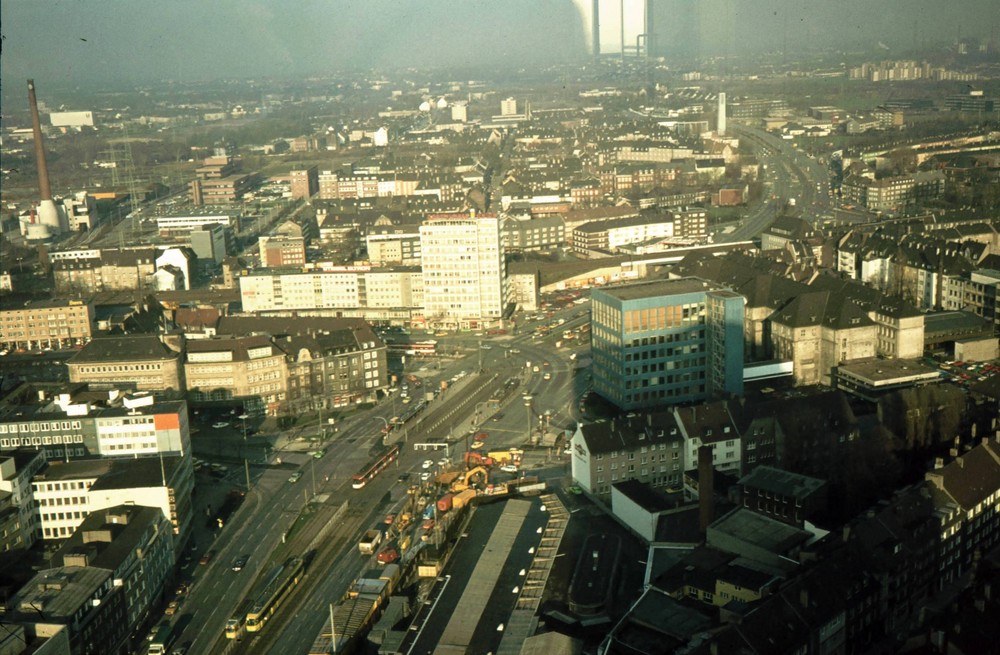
pixel 83 42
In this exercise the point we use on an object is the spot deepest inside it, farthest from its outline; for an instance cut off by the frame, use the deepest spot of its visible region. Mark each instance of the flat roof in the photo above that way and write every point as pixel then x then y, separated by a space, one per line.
pixel 655 288
pixel 782 482
pixel 757 529
pixel 473 594
pixel 878 372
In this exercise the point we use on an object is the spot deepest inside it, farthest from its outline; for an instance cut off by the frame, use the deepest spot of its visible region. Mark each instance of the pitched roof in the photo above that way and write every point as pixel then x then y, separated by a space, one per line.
pixel 971 477
pixel 142 347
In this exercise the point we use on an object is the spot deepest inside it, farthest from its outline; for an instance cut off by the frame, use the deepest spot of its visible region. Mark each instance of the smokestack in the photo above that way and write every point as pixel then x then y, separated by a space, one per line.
pixel 721 127
pixel 595 28
pixel 36 127
pixel 48 215
pixel 706 488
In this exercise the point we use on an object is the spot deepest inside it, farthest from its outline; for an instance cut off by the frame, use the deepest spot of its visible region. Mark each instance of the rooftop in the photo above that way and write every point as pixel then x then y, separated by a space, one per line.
pixel 656 288
pixel 143 347
pixel 781 482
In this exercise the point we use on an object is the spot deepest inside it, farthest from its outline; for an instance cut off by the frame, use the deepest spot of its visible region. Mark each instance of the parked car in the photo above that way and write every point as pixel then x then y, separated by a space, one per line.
pixel 295 477
pixel 427 464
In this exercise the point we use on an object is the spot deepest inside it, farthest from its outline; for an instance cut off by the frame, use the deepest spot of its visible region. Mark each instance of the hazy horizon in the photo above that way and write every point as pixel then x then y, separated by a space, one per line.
pixel 73 41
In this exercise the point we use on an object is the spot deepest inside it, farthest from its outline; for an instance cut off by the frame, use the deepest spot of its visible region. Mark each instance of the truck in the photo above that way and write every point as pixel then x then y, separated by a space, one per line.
pixel 369 542
pixel 161 640
pixel 444 503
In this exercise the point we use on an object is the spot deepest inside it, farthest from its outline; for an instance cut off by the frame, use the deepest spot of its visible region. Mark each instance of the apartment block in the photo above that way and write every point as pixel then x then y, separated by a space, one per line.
pixel 47 324
pixel 464 273
pixel 136 543
pixel 305 182
pixel 279 251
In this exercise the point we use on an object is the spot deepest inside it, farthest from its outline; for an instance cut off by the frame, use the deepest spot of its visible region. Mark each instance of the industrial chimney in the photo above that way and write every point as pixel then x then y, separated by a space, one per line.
pixel 706 488
pixel 48 213
pixel 721 126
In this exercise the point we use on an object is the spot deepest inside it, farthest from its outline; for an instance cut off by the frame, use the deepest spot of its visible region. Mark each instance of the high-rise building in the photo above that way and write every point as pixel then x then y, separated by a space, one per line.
pixel 465 279
pixel 508 107
pixel 666 342
pixel 305 182
pixel 721 127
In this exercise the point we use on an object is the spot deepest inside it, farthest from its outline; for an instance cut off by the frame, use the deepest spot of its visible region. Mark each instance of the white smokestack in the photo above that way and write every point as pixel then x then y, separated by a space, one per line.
pixel 721 127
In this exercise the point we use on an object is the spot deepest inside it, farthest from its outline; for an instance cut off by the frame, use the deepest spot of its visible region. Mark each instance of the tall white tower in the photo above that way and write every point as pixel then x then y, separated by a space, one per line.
pixel 721 127
pixel 465 281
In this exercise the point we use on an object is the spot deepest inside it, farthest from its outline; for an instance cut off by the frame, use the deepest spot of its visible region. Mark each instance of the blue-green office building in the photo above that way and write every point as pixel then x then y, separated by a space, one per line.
pixel 666 342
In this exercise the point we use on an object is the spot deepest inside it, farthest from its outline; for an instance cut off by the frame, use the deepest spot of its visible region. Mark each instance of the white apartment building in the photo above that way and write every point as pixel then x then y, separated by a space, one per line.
pixel 341 287
pixel 465 281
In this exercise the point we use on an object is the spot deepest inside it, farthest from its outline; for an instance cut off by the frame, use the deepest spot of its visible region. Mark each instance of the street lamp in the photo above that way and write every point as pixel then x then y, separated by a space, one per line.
pixel 246 465
pixel 527 405
pixel 385 435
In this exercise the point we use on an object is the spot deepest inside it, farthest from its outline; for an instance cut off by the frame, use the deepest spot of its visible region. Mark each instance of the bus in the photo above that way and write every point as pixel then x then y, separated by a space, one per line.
pixel 374 467
pixel 163 637
pixel 279 583
pixel 235 623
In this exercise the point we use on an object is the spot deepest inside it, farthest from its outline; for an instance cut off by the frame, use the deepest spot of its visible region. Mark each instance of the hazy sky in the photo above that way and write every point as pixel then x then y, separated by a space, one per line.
pixel 143 40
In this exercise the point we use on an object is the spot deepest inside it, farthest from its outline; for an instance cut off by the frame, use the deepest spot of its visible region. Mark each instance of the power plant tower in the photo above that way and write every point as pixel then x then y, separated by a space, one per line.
pixel 595 25
pixel 721 126
pixel 49 218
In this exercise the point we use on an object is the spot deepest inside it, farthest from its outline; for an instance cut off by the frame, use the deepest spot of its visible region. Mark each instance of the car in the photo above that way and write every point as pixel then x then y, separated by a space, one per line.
pixel 172 607
pixel 403 477
pixel 390 519
pixel 477 444
pixel 240 562
pixel 427 464
pixel 547 376
pixel 444 461
pixel 535 369
pixel 508 468
pixel 295 477
pixel 318 454
pixel 425 476
pixel 220 425
pixel 207 557
pixel 497 416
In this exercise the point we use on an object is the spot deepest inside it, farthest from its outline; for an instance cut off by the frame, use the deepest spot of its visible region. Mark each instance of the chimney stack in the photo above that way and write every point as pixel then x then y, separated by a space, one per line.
pixel 721 127
pixel 48 214
pixel 706 488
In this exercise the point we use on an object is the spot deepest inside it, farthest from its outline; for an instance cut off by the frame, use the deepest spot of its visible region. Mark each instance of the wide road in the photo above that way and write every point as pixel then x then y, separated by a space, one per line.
pixel 788 174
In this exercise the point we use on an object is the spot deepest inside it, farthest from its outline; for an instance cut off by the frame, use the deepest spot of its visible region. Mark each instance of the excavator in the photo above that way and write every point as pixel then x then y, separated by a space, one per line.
pixel 465 482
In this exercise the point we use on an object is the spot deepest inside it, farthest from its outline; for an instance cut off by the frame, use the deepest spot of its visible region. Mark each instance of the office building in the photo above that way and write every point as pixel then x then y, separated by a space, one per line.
pixel 128 362
pixel 464 274
pixel 666 342
pixel 79 424
pixel 209 243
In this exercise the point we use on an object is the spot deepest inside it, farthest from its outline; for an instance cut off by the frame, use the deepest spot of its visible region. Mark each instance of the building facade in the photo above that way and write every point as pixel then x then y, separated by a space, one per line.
pixel 136 363
pixel 47 324
pixel 464 273
pixel 666 342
